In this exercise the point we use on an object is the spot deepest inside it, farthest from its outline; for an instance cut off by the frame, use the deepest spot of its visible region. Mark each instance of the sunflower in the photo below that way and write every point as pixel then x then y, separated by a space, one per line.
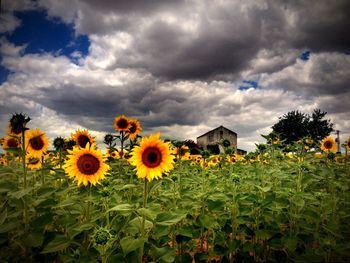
pixel 86 165
pixel 10 142
pixel 347 144
pixel 134 129
pixel 36 142
pixel 82 138
pixel 33 162
pixel 328 145
pixel 14 131
pixel 121 123
pixel 275 140
pixel 3 161
pixel 152 157
pixel 182 152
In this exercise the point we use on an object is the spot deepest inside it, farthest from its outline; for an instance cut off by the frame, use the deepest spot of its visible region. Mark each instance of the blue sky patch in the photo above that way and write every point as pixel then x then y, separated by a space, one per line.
pixel 43 34
pixel 247 84
pixel 305 55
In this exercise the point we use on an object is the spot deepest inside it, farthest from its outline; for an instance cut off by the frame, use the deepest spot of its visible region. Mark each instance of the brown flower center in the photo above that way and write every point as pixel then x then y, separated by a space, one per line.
pixel 132 128
pixel 88 164
pixel 12 143
pixel 122 123
pixel 37 143
pixel 151 157
pixel 328 144
pixel 83 140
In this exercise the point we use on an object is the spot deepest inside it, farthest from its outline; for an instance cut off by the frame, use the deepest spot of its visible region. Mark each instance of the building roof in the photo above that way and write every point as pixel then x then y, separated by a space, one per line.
pixel 216 129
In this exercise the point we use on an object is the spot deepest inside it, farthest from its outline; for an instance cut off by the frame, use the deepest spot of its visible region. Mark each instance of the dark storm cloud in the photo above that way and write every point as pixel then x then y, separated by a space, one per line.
pixel 320 25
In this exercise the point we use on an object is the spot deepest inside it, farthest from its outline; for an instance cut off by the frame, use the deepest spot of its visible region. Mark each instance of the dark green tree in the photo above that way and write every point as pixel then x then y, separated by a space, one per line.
pixel 296 125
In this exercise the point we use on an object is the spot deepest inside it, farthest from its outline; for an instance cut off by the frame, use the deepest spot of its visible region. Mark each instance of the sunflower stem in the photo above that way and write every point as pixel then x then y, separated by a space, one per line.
pixel 42 171
pixel 25 212
pixel 145 192
pixel 60 156
pixel 88 203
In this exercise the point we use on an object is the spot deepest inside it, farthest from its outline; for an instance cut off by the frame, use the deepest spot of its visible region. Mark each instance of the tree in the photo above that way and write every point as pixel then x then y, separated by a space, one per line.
pixel 296 125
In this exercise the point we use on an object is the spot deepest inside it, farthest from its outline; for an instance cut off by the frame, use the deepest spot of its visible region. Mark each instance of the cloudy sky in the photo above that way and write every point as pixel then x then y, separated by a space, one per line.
pixel 182 67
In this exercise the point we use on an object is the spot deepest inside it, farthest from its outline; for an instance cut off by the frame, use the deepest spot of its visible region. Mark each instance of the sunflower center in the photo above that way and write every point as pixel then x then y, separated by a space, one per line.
pixel 122 123
pixel 132 128
pixel 83 140
pixel 12 143
pixel 88 164
pixel 328 145
pixel 151 157
pixel 37 143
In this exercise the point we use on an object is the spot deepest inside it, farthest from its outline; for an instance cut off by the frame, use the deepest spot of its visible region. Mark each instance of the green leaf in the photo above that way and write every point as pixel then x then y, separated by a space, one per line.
pixel 150 214
pixel 7 186
pixel 57 244
pixel 3 216
pixel 169 218
pixel 130 244
pixel 34 239
pixel 9 226
pixel 19 194
pixel 124 209
pixel 163 254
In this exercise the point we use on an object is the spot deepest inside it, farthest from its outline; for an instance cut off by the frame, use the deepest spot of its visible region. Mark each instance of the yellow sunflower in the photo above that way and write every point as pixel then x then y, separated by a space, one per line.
pixel 328 145
pixel 275 140
pixel 82 138
pixel 86 165
pixel 33 162
pixel 152 158
pixel 3 161
pixel 36 143
pixel 121 123
pixel 134 129
pixel 10 142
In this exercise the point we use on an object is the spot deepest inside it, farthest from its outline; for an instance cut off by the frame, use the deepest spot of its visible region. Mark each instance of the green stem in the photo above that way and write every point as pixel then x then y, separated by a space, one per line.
pixel 88 203
pixel 145 192
pixel 25 212
pixel 42 171
pixel 60 157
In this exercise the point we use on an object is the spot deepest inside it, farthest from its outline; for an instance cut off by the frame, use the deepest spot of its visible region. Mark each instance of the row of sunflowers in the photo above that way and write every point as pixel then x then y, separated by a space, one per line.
pixel 269 205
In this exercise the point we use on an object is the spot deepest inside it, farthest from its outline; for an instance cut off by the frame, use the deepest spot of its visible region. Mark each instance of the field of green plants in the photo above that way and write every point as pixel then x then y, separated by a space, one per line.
pixel 265 207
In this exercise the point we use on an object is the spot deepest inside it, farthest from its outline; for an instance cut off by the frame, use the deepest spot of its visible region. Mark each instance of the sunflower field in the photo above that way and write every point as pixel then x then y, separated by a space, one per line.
pixel 144 199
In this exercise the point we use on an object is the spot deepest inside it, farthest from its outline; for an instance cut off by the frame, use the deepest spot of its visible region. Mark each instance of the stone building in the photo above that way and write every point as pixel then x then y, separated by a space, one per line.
pixel 211 139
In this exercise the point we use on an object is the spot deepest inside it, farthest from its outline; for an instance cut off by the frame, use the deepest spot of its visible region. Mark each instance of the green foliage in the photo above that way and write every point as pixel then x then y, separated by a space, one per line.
pixel 296 125
pixel 266 208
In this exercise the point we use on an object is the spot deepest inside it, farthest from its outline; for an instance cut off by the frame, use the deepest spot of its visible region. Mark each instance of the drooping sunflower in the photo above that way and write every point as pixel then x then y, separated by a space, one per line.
pixel 36 143
pixel 134 129
pixel 121 123
pixel 86 165
pixel 33 162
pixel 82 138
pixel 10 142
pixel 328 145
pixel 152 158
pixel 14 131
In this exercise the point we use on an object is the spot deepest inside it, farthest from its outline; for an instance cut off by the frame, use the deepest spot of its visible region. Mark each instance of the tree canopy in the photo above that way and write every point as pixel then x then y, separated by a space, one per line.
pixel 296 125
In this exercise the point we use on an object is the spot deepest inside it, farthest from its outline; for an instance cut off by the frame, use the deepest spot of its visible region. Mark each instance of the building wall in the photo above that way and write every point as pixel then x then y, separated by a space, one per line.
pixel 216 136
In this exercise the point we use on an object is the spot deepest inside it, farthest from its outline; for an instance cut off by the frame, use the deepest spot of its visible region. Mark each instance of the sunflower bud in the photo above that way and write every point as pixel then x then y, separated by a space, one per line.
pixel 58 143
pixel 108 139
pixel 102 236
